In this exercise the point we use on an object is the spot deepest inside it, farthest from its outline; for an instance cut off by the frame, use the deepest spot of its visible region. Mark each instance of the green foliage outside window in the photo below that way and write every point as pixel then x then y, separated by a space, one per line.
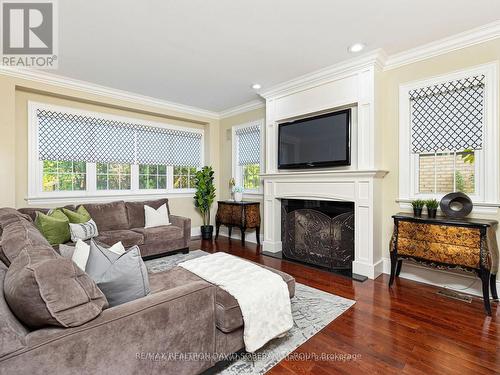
pixel 152 176
pixel 251 179
pixel 184 177
pixel 113 176
pixel 64 175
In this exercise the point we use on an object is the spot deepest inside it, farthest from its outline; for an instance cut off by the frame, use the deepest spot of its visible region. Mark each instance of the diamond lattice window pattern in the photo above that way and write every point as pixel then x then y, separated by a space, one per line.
pixel 73 137
pixel 448 116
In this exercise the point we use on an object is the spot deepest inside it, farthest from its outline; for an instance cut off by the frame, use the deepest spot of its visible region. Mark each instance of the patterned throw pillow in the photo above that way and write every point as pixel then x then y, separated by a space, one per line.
pixel 83 231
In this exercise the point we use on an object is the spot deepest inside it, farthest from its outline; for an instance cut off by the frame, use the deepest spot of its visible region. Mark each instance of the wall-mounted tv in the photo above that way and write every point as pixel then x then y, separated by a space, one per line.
pixel 315 142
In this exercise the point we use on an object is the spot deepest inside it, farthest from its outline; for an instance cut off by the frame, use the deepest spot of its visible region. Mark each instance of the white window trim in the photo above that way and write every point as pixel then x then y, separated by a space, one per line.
pixel 35 167
pixel 487 163
pixel 237 173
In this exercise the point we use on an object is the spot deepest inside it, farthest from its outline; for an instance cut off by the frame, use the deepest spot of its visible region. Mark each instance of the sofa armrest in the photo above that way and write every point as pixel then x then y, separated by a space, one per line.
pixel 148 335
pixel 185 224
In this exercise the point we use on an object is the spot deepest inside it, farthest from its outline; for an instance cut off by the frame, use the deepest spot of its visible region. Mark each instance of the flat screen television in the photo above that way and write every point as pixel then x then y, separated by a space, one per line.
pixel 315 142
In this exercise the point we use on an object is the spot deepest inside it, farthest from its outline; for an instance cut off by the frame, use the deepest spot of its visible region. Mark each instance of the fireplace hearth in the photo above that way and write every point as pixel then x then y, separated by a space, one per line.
pixel 319 233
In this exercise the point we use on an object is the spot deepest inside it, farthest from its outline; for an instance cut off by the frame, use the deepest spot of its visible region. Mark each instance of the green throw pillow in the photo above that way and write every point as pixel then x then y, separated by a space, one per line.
pixel 54 226
pixel 79 216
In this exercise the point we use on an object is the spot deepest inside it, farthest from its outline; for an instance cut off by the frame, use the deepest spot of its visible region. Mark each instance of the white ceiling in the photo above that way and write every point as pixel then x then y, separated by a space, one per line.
pixel 207 53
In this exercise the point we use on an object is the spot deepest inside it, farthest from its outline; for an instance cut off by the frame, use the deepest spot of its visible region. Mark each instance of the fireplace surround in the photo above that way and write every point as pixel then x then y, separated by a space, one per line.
pixel 319 233
pixel 326 91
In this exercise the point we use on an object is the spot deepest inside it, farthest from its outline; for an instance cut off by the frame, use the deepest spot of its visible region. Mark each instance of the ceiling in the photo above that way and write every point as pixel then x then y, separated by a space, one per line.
pixel 208 53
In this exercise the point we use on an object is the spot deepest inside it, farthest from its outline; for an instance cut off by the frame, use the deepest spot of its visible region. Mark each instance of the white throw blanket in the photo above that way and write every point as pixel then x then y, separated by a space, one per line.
pixel 262 295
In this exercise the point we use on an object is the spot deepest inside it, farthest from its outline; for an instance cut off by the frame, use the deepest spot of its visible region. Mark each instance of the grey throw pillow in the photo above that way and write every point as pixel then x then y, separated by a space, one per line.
pixel 122 278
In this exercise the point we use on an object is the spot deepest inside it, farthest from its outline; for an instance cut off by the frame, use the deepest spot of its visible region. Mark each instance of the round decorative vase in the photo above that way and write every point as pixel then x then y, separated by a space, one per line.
pixel 238 197
pixel 456 205
pixel 417 212
pixel 432 212
pixel 207 232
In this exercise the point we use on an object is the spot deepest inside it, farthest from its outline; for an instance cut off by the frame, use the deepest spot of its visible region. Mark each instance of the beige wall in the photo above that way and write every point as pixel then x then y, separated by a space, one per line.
pixel 15 94
pixel 226 153
pixel 388 106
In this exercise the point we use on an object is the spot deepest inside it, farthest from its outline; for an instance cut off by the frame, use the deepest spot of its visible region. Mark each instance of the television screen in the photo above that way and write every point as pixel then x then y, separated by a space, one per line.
pixel 319 141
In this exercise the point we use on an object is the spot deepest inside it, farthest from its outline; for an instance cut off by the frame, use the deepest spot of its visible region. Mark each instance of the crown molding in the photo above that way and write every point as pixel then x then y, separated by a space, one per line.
pixel 452 43
pixel 249 106
pixel 377 58
pixel 91 88
pixel 344 68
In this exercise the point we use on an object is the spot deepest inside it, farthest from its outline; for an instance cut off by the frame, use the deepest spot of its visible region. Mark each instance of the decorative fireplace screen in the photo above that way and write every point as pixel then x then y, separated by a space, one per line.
pixel 318 232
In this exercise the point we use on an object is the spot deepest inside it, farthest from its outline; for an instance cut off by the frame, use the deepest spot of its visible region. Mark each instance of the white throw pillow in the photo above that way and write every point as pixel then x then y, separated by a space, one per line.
pixel 156 218
pixel 117 248
pixel 81 254
pixel 83 231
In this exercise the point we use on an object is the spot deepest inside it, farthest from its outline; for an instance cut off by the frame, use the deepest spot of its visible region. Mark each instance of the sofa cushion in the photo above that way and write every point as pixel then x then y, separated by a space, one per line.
pixel 228 315
pixel 11 330
pixel 127 237
pixel 121 277
pixel 18 235
pixel 109 216
pixel 42 288
pixel 83 231
pixel 160 234
pixel 54 226
pixel 135 211
pixel 79 216
pixel 8 215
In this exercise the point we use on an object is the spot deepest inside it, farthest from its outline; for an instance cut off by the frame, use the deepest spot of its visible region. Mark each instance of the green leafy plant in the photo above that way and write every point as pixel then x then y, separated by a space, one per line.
pixel 468 156
pixel 432 204
pixel 205 192
pixel 418 203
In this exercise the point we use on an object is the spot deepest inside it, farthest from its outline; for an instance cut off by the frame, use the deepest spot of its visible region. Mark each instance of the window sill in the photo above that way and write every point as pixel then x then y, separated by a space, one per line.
pixel 488 208
pixel 106 197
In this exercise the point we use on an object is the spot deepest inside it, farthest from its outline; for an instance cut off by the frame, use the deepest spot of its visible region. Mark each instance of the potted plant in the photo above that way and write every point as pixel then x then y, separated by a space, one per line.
pixel 417 205
pixel 204 198
pixel 432 206
pixel 238 193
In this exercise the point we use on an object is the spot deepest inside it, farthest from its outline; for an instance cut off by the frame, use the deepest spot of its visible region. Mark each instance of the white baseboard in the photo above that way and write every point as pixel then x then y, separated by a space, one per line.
pixel 250 235
pixel 372 271
pixel 454 280
pixel 195 231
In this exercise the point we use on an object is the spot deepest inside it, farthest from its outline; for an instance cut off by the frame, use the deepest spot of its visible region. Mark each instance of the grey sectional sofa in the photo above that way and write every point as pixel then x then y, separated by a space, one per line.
pixel 124 221
pixel 162 333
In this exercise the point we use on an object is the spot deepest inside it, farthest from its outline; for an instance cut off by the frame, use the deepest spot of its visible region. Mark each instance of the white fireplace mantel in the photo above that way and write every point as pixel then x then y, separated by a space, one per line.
pixel 352 87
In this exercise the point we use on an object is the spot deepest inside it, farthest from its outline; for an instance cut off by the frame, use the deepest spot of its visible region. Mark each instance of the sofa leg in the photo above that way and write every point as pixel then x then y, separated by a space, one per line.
pixel 185 251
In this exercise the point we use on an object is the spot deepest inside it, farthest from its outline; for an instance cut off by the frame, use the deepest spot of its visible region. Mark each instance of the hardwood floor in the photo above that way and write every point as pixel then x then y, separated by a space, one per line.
pixel 407 329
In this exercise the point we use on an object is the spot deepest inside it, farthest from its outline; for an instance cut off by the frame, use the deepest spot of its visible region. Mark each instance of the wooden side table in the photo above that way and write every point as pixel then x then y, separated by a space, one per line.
pixel 244 215
pixel 468 244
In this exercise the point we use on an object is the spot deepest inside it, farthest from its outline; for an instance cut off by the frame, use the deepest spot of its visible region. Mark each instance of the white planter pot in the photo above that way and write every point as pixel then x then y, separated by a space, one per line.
pixel 238 197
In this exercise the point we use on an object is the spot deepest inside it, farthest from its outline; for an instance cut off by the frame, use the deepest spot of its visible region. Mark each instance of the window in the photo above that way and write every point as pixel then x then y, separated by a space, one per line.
pixel 113 176
pixel 247 156
pixel 251 179
pixel 440 173
pixel 152 176
pixel 448 137
pixel 184 177
pixel 85 154
pixel 63 175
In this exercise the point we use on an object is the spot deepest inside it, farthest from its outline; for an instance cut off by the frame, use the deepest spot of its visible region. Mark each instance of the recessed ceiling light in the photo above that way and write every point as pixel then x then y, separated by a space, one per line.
pixel 356 47
pixel 256 86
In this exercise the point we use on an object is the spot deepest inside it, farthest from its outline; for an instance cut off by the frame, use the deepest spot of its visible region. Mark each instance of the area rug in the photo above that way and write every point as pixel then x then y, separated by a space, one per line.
pixel 312 310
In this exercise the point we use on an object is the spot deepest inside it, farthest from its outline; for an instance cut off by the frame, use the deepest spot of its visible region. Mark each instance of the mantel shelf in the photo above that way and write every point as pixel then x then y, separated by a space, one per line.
pixel 374 173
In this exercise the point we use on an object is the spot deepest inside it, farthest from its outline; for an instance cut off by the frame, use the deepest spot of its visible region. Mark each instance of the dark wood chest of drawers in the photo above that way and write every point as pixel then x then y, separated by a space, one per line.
pixel 244 215
pixel 468 244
